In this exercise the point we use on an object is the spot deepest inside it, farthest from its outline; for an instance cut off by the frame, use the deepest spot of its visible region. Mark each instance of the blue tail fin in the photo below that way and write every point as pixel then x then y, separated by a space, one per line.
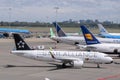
pixel 89 37
pixel 59 30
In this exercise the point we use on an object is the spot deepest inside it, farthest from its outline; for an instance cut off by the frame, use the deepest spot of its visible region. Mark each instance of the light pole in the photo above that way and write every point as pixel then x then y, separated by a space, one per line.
pixel 56 11
pixel 47 21
pixel 10 16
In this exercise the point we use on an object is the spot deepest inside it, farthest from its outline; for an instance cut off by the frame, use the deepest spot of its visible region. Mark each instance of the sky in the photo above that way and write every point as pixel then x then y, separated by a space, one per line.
pixel 45 10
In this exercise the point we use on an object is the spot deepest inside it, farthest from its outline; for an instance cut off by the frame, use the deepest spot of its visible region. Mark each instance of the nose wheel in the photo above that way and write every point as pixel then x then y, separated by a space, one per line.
pixel 98 65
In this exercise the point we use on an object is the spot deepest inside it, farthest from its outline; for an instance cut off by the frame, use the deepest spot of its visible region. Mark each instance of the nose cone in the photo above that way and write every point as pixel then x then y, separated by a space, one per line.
pixel 109 60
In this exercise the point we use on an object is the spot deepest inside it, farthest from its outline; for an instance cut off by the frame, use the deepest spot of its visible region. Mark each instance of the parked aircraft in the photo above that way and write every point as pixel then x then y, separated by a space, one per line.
pixel 7 32
pixel 95 45
pixel 74 58
pixel 104 33
pixel 74 40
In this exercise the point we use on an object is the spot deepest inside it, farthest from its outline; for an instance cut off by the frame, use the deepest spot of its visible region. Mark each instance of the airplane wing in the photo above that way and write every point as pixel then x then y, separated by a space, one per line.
pixel 91 48
pixel 67 59
pixel 76 62
pixel 86 47
pixel 81 46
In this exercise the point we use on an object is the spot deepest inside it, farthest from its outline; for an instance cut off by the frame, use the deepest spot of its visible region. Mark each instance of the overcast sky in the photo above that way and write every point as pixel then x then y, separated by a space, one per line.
pixel 44 10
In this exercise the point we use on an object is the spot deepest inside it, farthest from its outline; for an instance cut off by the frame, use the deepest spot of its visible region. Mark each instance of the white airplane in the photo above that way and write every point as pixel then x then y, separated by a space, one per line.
pixel 74 40
pixel 104 33
pixel 95 45
pixel 74 58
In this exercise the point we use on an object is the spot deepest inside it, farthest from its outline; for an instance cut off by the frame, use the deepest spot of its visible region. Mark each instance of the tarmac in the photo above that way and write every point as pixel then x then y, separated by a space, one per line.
pixel 13 67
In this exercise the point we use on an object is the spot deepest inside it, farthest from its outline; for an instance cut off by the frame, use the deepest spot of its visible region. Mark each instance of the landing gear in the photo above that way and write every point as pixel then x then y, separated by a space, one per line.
pixel 76 43
pixel 57 41
pixel 63 65
pixel 116 52
pixel 98 65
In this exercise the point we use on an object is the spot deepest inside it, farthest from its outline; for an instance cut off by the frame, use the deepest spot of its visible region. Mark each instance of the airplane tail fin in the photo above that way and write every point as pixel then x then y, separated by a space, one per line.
pixel 89 37
pixel 59 30
pixel 80 32
pixel 102 29
pixel 51 33
pixel 20 43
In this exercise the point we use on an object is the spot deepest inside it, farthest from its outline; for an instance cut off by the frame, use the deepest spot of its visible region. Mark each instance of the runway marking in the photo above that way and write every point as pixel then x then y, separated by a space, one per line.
pixel 110 77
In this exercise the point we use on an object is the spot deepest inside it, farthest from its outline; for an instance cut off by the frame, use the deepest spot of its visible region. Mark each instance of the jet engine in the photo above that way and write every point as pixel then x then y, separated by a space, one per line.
pixel 76 43
pixel 77 64
pixel 6 34
pixel 116 52
pixel 81 47
pixel 58 42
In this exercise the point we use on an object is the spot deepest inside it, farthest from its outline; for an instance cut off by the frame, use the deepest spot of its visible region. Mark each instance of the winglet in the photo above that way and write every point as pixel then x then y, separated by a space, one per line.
pixel 89 37
pixel 51 53
pixel 59 30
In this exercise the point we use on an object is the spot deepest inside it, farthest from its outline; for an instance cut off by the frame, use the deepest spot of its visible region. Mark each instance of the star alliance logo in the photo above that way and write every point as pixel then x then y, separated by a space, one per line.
pixel 21 44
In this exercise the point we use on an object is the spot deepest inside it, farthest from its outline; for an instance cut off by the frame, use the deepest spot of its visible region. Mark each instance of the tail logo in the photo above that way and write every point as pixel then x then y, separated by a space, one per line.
pixel 89 36
pixel 102 30
pixel 21 44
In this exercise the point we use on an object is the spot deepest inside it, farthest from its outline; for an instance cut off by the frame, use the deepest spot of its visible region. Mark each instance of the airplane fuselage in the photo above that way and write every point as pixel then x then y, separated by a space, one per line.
pixel 104 47
pixel 113 36
pixel 44 55
pixel 73 40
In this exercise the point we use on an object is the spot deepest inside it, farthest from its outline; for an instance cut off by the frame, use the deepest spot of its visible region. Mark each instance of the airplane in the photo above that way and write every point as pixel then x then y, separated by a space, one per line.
pixel 74 40
pixel 105 34
pixel 75 59
pixel 7 32
pixel 95 45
